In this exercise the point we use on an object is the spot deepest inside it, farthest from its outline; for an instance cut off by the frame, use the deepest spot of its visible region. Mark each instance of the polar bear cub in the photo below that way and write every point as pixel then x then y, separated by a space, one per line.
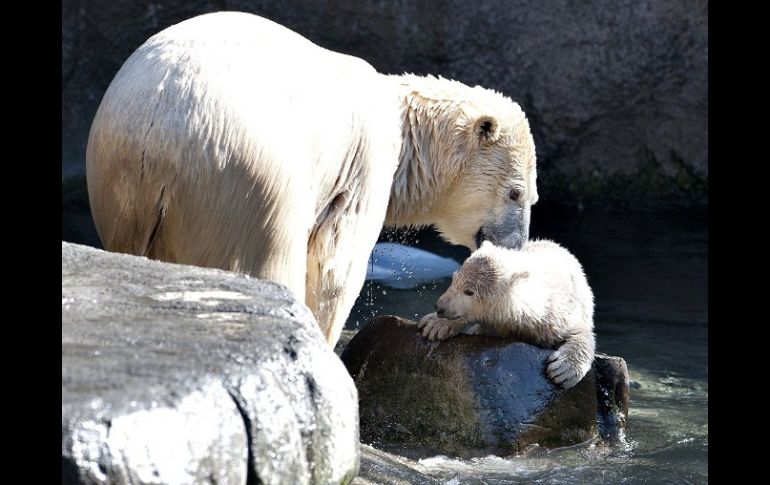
pixel 538 293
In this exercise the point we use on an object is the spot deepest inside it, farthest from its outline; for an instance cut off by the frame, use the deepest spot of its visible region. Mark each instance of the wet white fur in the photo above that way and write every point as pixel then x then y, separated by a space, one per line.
pixel 230 141
pixel 538 293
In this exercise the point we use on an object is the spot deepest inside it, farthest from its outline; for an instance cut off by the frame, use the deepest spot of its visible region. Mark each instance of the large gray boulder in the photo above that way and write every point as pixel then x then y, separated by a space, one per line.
pixel 176 374
pixel 474 395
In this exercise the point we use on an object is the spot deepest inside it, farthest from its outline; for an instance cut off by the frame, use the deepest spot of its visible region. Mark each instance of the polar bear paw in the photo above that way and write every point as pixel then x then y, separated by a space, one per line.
pixel 567 368
pixel 437 328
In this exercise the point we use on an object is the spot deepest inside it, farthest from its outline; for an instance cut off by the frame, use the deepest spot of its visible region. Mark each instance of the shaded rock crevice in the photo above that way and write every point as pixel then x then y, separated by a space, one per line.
pixel 251 477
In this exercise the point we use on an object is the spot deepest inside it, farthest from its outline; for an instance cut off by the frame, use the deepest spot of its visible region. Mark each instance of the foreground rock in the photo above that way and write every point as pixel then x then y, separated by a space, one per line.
pixel 467 396
pixel 175 374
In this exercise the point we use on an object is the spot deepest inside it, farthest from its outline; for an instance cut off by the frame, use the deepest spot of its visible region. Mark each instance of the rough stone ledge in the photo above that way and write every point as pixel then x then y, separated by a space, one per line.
pixel 178 374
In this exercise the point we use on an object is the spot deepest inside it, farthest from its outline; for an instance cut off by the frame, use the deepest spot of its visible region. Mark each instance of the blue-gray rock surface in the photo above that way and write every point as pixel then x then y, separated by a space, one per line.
pixel 475 395
pixel 176 374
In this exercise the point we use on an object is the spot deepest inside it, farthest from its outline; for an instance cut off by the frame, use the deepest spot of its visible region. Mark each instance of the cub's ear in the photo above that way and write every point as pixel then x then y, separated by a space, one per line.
pixel 486 129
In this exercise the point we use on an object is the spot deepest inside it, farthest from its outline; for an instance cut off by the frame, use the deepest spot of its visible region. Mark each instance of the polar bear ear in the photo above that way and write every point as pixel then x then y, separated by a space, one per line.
pixel 486 129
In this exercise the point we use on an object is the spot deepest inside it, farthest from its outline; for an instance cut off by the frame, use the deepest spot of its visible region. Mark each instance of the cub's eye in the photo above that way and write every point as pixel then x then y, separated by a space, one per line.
pixel 515 194
pixel 468 292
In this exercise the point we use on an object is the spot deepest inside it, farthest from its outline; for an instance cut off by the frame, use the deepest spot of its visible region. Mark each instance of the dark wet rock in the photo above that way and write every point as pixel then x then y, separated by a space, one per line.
pixel 177 374
pixel 404 267
pixel 612 390
pixel 467 396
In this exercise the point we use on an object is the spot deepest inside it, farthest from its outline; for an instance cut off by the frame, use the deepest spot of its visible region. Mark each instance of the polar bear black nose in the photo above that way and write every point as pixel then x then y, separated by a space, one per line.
pixel 439 311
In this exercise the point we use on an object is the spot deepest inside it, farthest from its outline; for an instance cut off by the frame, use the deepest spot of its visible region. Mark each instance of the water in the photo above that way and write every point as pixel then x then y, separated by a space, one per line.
pixel 649 273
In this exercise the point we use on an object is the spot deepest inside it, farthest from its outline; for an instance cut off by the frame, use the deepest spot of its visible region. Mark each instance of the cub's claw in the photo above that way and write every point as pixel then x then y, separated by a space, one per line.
pixel 563 371
pixel 427 318
pixel 435 328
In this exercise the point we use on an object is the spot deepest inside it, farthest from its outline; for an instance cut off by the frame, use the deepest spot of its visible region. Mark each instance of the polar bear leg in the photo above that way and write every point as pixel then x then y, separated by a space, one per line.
pixel 340 245
pixel 572 360
pixel 334 285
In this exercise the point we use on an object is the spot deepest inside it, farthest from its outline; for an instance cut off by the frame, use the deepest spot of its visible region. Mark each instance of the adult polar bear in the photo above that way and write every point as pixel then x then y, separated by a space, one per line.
pixel 232 142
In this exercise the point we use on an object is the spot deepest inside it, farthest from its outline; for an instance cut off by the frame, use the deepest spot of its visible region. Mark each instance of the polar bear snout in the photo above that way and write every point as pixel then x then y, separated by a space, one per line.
pixel 509 231
pixel 441 307
pixel 440 311
pixel 448 306
pixel 444 313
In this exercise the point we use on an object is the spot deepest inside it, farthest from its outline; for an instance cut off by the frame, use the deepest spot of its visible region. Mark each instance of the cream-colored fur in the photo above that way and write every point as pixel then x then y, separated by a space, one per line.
pixel 229 141
pixel 539 294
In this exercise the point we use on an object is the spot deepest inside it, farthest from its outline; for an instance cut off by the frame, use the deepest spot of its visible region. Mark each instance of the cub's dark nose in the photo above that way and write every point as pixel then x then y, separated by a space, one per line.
pixel 439 311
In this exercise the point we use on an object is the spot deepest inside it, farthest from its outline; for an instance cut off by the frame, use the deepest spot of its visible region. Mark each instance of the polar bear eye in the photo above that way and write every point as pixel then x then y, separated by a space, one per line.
pixel 515 194
pixel 469 292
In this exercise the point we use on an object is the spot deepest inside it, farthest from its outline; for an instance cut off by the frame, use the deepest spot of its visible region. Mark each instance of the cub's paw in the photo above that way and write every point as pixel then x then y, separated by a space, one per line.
pixel 566 369
pixel 426 319
pixel 437 328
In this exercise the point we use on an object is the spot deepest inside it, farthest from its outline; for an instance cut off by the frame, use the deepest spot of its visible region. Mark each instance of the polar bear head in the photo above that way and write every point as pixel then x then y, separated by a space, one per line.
pixel 468 164
pixel 490 285
pixel 493 196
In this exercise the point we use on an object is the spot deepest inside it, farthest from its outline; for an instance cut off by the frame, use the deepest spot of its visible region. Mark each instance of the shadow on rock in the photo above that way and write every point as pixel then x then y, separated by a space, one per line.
pixel 472 395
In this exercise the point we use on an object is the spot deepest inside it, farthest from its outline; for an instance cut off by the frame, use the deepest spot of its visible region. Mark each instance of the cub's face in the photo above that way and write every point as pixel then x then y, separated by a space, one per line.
pixel 492 196
pixel 472 286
